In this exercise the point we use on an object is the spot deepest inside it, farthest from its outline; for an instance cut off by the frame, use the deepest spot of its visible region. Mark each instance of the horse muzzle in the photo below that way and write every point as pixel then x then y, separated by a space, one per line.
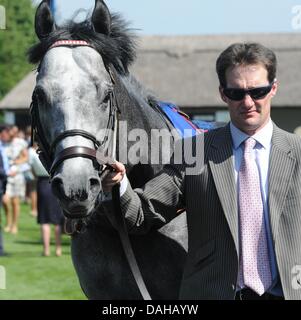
pixel 77 196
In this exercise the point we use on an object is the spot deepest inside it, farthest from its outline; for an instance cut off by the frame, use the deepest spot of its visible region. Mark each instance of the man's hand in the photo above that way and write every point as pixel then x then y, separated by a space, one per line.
pixel 113 177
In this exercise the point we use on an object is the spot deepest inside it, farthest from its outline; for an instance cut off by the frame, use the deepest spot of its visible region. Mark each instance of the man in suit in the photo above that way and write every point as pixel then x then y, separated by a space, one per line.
pixel 244 205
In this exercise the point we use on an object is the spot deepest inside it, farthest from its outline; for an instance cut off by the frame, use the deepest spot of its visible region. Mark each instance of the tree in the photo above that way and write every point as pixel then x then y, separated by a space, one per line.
pixel 15 40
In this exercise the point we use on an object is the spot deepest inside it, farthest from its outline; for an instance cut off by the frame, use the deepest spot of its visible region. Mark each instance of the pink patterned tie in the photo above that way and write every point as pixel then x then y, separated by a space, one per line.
pixel 255 265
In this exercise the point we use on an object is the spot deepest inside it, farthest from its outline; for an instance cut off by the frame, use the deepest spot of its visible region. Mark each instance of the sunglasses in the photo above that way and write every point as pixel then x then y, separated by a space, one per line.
pixel 255 93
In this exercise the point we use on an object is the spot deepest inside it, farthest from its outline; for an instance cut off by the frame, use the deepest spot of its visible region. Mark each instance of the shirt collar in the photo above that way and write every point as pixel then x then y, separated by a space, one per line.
pixel 263 136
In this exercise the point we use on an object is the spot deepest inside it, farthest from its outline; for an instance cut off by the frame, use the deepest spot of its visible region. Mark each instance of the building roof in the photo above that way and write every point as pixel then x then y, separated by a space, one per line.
pixel 20 96
pixel 181 69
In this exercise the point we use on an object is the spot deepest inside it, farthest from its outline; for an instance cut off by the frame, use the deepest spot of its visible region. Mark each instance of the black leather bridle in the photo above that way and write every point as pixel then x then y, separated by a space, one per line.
pixel 46 151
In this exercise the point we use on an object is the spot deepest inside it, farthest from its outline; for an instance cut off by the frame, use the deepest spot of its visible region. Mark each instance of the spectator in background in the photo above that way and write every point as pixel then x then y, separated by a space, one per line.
pixel 21 134
pixel 31 181
pixel 49 211
pixel 4 167
pixel 28 135
pixel 16 151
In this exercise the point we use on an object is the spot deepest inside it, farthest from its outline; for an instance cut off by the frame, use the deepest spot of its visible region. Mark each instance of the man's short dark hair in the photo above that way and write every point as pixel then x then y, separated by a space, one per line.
pixel 3 126
pixel 246 54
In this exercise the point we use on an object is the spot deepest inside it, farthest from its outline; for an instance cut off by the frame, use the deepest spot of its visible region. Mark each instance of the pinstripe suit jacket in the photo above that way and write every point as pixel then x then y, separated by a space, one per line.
pixel 210 199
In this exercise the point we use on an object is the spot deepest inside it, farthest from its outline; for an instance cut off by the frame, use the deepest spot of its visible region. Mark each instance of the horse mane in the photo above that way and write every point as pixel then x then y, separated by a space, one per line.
pixel 118 49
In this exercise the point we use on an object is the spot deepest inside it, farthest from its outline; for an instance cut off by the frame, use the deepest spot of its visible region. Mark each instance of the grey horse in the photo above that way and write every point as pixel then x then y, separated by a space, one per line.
pixel 72 108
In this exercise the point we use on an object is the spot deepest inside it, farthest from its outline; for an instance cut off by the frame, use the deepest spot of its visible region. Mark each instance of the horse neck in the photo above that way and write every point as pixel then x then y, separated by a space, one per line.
pixel 138 114
pixel 136 108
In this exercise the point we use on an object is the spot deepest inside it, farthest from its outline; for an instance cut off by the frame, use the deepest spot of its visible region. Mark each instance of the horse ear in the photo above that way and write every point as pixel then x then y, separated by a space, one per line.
pixel 44 22
pixel 101 18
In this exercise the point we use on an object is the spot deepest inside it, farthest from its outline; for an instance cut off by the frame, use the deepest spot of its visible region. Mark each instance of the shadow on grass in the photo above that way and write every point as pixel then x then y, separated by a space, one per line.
pixel 30 254
pixel 65 243
pixel 28 242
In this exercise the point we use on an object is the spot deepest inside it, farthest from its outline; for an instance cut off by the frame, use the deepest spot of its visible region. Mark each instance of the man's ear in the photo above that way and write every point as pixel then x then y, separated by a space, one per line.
pixel 274 88
pixel 222 94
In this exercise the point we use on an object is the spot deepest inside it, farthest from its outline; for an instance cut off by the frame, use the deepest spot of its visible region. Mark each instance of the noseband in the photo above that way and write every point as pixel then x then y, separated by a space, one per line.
pixel 46 151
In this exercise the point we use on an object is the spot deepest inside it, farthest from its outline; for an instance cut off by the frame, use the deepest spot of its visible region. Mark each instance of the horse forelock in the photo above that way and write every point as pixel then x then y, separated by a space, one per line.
pixel 118 49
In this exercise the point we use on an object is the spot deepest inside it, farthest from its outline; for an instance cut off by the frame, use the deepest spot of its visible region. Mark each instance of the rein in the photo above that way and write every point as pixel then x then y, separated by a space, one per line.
pixel 46 154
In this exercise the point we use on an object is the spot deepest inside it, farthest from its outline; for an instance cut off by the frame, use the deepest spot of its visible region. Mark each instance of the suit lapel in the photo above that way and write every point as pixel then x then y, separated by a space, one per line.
pixel 281 168
pixel 221 163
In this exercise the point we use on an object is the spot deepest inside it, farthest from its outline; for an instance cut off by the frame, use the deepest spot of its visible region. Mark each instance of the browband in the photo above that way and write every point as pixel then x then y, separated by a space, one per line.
pixel 71 43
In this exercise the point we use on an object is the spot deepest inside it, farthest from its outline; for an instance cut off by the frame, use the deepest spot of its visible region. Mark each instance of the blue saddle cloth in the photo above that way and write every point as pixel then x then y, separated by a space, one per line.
pixel 181 121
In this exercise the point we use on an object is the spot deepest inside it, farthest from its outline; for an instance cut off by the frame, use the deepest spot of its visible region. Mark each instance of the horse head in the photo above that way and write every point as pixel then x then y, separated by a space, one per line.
pixel 73 107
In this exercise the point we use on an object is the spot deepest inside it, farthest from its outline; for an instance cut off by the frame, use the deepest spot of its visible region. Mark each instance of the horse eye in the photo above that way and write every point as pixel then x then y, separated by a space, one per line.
pixel 107 97
pixel 40 96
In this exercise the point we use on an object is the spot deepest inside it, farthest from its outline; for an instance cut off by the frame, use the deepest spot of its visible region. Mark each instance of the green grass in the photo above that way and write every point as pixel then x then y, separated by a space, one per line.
pixel 29 275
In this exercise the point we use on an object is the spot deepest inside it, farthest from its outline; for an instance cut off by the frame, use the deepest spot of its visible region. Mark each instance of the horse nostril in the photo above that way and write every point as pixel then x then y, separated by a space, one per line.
pixel 80 195
pixel 94 185
pixel 57 187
